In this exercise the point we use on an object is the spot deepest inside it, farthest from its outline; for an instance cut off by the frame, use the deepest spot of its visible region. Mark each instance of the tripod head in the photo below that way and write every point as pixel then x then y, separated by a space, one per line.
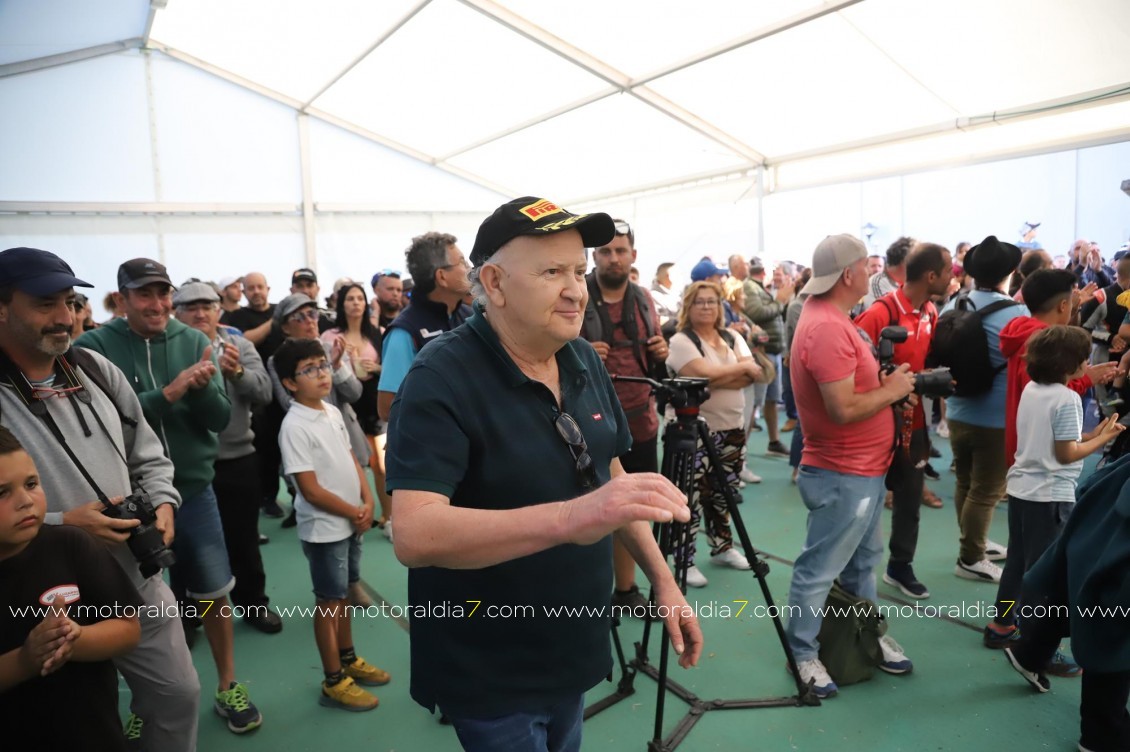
pixel 686 394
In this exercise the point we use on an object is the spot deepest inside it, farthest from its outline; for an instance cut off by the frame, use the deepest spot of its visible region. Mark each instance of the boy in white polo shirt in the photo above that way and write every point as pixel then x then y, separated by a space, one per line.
pixel 334 507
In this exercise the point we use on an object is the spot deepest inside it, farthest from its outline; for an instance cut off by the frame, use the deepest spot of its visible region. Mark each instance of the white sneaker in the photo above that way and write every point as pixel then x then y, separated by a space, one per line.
pixel 995 551
pixel 386 531
pixel 749 476
pixel 894 659
pixel 982 571
pixel 814 671
pixel 943 429
pixel 695 578
pixel 732 558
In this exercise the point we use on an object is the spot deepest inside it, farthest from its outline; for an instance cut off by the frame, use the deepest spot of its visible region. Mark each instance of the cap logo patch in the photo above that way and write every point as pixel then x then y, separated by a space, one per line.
pixel 555 226
pixel 539 209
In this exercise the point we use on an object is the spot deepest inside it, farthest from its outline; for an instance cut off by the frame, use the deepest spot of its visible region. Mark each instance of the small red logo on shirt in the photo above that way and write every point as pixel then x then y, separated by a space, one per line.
pixel 597 416
pixel 60 595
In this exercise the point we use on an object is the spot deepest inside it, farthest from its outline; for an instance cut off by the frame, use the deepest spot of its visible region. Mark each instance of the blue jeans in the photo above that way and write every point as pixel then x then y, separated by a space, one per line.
pixel 334 566
pixel 796 447
pixel 553 729
pixel 843 541
pixel 202 557
pixel 787 390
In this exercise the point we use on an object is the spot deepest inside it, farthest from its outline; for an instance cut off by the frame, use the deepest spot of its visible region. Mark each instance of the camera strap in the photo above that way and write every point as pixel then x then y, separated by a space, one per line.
pixel 38 407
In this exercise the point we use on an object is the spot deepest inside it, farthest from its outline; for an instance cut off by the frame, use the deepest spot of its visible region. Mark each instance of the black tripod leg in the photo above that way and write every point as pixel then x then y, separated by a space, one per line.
pixel 759 566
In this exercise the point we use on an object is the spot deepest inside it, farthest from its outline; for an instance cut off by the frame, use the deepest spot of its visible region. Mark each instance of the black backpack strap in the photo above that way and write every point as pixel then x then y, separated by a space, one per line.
pixel 891 310
pixel 80 357
pixel 999 305
pixel 727 336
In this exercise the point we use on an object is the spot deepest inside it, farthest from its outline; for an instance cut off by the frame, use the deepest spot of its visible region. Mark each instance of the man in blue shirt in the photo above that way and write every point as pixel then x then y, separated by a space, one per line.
pixel 440 271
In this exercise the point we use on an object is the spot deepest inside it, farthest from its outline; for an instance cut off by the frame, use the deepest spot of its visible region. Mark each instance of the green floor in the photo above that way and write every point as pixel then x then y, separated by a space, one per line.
pixel 960 696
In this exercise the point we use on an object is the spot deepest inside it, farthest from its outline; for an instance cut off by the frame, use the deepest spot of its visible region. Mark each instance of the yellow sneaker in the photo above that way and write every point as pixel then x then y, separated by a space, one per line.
pixel 347 696
pixel 366 673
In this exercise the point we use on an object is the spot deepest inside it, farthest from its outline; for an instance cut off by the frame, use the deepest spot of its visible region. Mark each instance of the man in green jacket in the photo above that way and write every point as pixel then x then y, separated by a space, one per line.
pixel 171 368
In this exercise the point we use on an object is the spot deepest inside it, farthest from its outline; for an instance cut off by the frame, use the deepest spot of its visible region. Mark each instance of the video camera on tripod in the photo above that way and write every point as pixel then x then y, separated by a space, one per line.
pixel 684 393
pixel 935 384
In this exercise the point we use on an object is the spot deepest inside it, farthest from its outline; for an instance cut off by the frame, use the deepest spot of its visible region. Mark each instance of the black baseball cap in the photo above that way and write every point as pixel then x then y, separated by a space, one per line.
pixel 35 272
pixel 530 215
pixel 304 274
pixel 140 272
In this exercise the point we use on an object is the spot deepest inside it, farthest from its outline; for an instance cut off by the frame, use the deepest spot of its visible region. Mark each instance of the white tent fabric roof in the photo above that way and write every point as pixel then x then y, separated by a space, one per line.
pixel 592 99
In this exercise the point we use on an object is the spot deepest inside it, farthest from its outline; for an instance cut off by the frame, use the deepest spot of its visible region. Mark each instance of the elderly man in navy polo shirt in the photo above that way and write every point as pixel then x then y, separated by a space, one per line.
pixel 507 490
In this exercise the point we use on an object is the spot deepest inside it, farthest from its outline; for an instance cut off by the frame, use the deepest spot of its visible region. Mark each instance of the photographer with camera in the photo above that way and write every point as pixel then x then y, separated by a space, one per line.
pixel 703 348
pixel 849 430
pixel 171 368
pixel 929 269
pixel 108 443
pixel 629 345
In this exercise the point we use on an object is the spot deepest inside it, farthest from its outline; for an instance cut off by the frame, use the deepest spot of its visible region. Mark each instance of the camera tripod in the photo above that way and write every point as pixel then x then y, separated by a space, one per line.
pixel 680 443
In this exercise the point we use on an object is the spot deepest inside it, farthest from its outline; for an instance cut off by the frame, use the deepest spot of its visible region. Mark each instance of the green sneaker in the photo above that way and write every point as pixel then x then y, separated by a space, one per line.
pixel 234 704
pixel 132 732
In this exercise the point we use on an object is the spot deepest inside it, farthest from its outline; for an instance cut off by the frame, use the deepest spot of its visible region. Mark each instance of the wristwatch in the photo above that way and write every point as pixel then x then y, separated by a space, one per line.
pixel 238 374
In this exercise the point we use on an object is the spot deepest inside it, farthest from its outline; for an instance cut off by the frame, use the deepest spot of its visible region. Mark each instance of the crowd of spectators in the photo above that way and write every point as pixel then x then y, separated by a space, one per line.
pixel 212 402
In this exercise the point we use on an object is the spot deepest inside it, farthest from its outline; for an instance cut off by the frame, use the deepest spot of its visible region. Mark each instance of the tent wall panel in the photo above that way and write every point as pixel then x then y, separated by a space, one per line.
pixel 77 133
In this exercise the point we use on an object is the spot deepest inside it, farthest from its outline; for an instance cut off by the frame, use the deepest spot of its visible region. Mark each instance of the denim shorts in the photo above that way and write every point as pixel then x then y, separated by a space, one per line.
pixel 773 389
pixel 202 558
pixel 334 566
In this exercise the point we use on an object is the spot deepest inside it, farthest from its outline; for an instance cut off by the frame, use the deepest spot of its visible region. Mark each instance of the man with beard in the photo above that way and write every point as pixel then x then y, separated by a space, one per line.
pixel 36 317
pixel 231 292
pixel 388 300
pixel 622 324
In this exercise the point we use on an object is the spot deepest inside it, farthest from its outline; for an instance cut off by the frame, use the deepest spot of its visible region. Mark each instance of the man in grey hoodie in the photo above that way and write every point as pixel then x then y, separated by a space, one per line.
pixel 237 482
pixel 109 436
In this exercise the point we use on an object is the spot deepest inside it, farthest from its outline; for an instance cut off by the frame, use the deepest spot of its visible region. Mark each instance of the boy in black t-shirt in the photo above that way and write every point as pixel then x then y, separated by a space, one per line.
pixel 70 609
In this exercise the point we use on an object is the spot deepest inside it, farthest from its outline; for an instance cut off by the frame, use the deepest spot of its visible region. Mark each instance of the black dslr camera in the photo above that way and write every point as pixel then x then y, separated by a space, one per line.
pixel 145 541
pixel 935 384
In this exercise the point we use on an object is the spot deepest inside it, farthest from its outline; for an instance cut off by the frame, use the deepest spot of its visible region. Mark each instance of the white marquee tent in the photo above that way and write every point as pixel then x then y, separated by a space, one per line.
pixel 226 135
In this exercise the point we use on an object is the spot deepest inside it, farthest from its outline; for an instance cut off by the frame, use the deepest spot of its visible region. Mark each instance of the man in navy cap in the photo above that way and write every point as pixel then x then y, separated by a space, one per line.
pixel 112 455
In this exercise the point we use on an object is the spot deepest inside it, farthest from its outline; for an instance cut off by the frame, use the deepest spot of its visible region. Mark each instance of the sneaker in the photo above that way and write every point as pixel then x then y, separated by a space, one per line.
pixel 732 558
pixel 695 578
pixel 358 597
pixel 1038 682
pixel 1062 666
pixel 271 508
pixel 931 499
pixel 790 426
pixel 935 453
pixel 995 551
pixel 291 519
pixel 748 476
pixel 263 540
pixel 943 430
pixel 132 732
pixel 902 577
pixel 982 571
pixel 363 672
pixel 630 600
pixel 930 472
pixel 263 619
pixel 387 530
pixel 348 696
pixel 777 449
pixel 814 674
pixel 894 659
pixel 755 426
pixel 995 639
pixel 234 704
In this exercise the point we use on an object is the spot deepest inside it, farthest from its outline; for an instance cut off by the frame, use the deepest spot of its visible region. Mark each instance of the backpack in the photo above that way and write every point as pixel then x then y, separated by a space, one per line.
pixel 961 344
pixel 849 636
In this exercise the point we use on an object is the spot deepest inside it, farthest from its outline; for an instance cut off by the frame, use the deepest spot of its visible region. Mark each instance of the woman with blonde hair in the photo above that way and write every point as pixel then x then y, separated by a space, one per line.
pixel 703 348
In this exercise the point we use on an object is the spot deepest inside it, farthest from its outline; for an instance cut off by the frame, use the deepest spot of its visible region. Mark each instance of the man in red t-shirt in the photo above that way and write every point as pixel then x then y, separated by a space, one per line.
pixel 849 430
pixel 629 345
pixel 929 269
